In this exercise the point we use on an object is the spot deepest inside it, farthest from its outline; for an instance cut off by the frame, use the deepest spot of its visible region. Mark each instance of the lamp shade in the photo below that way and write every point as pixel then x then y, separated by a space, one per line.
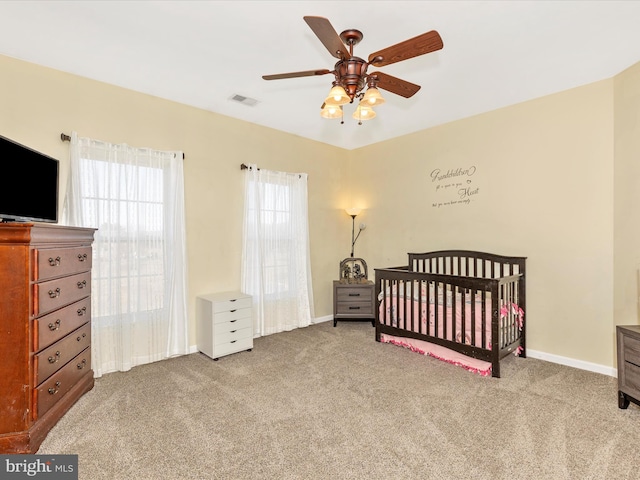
pixel 363 112
pixel 372 97
pixel 353 211
pixel 337 96
pixel 331 111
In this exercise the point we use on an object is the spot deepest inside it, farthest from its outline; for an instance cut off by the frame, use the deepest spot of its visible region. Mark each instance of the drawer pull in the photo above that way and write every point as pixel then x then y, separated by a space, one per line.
pixel 80 337
pixel 54 293
pixel 231 311
pixel 82 284
pixel 233 341
pixel 82 257
pixel 354 294
pixel 82 364
pixel 233 331
pixel 54 358
pixel 233 299
pixel 54 326
pixel 232 321
pixel 82 311
pixel 54 390
pixel 354 308
pixel 54 262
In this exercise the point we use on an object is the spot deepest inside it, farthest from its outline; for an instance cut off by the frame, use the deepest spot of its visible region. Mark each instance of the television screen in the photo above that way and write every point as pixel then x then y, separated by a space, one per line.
pixel 33 177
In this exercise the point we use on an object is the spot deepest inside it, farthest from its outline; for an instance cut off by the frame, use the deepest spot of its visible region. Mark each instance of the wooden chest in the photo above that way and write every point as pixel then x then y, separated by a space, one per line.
pixel 45 328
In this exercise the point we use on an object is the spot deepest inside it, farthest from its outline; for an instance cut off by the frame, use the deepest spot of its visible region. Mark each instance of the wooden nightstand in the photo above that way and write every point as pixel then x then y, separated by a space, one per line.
pixel 353 301
pixel 628 341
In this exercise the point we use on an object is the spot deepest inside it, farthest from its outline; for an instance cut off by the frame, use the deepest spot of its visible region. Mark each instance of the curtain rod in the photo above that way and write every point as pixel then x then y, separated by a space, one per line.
pixel 66 138
pixel 246 167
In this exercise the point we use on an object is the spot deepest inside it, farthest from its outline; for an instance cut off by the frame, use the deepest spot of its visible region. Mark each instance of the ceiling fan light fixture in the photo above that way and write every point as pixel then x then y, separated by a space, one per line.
pixel 337 96
pixel 331 111
pixel 363 112
pixel 372 97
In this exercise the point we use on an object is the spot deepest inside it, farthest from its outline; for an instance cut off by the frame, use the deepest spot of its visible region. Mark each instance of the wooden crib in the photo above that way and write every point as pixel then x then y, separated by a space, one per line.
pixel 470 303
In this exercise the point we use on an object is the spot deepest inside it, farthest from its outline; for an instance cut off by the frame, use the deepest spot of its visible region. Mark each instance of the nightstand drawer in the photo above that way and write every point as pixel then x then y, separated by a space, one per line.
pixel 631 350
pixel 354 308
pixel 351 294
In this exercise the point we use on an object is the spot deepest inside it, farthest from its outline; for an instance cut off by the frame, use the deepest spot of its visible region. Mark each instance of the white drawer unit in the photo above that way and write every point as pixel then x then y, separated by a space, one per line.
pixel 224 323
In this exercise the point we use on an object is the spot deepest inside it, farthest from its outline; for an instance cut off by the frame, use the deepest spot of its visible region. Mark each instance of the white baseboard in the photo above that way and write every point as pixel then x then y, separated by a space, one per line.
pixel 571 362
pixel 326 318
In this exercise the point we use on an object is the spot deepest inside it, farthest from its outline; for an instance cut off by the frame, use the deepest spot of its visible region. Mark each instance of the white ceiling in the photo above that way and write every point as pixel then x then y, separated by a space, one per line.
pixel 201 53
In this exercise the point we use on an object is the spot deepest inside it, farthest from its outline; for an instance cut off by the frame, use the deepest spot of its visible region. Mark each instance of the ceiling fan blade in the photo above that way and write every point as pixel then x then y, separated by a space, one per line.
pixel 328 36
pixel 425 43
pixel 307 73
pixel 395 85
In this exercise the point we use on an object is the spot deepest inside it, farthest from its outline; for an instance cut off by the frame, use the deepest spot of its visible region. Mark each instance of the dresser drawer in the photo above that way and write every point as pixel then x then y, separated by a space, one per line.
pixel 231 304
pixel 53 294
pixel 54 388
pixel 232 346
pixel 239 324
pixel 232 315
pixel 632 377
pixel 53 326
pixel 232 336
pixel 56 262
pixel 355 294
pixel 49 360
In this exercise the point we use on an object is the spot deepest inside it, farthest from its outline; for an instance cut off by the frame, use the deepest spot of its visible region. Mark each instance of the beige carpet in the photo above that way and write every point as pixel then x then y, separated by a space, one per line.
pixel 331 403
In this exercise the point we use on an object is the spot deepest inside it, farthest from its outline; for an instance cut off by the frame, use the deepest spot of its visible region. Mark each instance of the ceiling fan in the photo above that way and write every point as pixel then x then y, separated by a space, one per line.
pixel 351 72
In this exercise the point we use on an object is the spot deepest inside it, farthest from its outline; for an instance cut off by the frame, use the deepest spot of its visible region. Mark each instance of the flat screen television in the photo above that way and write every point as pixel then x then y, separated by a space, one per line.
pixel 30 184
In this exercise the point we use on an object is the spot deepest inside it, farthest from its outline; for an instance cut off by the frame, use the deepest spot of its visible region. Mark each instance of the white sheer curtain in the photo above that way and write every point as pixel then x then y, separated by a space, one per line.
pixel 276 266
pixel 135 198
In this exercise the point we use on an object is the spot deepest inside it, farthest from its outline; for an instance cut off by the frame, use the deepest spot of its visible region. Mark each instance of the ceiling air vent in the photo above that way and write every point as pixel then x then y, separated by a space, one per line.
pixel 244 100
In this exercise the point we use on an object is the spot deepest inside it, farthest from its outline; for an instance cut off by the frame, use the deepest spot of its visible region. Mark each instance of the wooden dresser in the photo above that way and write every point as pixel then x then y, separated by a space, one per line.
pixel 628 343
pixel 224 323
pixel 45 329
pixel 353 301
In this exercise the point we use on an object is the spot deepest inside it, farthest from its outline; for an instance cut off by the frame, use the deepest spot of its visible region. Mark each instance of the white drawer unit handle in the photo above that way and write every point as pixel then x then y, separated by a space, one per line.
pixel 231 321
pixel 54 390
pixel 54 358
pixel 54 293
pixel 231 311
pixel 82 257
pixel 54 326
pixel 54 262
pixel 233 331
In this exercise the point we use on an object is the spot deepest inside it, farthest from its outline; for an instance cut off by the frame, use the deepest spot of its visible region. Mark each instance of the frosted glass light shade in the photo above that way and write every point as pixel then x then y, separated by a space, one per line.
pixel 364 113
pixel 337 96
pixel 372 97
pixel 331 111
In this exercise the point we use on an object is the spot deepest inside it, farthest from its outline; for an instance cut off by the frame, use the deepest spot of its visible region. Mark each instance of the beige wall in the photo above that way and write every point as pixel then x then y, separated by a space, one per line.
pixel 37 104
pixel 544 180
pixel 627 197
pixel 543 173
